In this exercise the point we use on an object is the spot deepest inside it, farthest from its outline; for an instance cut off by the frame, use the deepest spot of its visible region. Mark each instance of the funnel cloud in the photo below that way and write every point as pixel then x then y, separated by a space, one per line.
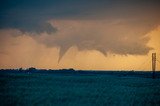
pixel 119 37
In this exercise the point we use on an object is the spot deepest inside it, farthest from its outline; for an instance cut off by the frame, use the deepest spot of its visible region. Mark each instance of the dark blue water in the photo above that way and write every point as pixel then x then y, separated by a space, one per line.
pixel 61 89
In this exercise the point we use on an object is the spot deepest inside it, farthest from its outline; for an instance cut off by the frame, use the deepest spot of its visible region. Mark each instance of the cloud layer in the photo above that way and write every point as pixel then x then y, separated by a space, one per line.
pixel 104 25
pixel 33 16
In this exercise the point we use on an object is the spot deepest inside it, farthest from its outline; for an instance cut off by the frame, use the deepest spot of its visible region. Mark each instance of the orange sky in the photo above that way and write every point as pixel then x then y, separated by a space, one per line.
pixel 24 51
pixel 79 34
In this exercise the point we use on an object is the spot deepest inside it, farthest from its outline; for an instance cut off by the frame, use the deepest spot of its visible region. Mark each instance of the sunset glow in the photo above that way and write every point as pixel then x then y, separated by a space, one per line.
pixel 121 36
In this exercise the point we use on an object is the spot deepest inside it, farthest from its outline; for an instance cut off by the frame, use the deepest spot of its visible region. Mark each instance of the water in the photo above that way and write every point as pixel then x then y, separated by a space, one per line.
pixel 22 89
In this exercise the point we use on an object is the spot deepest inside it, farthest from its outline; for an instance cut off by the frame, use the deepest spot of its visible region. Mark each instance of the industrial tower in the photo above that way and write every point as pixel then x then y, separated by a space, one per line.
pixel 153 65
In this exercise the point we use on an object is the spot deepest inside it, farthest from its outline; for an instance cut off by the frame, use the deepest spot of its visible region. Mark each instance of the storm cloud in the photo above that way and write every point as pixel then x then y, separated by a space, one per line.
pixel 118 27
pixel 33 16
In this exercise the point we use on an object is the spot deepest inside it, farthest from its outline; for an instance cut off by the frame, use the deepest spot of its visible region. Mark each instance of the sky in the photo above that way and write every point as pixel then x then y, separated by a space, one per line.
pixel 79 34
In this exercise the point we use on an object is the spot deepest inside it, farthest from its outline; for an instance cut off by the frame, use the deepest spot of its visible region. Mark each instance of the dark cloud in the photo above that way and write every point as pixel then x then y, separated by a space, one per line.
pixel 32 16
pixel 104 25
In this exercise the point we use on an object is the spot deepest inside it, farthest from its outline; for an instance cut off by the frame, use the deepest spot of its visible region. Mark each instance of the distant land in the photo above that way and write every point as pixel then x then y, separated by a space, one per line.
pixel 122 73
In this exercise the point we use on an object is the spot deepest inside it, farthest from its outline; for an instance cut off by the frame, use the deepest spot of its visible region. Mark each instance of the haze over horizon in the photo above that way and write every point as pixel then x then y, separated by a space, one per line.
pixel 79 34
